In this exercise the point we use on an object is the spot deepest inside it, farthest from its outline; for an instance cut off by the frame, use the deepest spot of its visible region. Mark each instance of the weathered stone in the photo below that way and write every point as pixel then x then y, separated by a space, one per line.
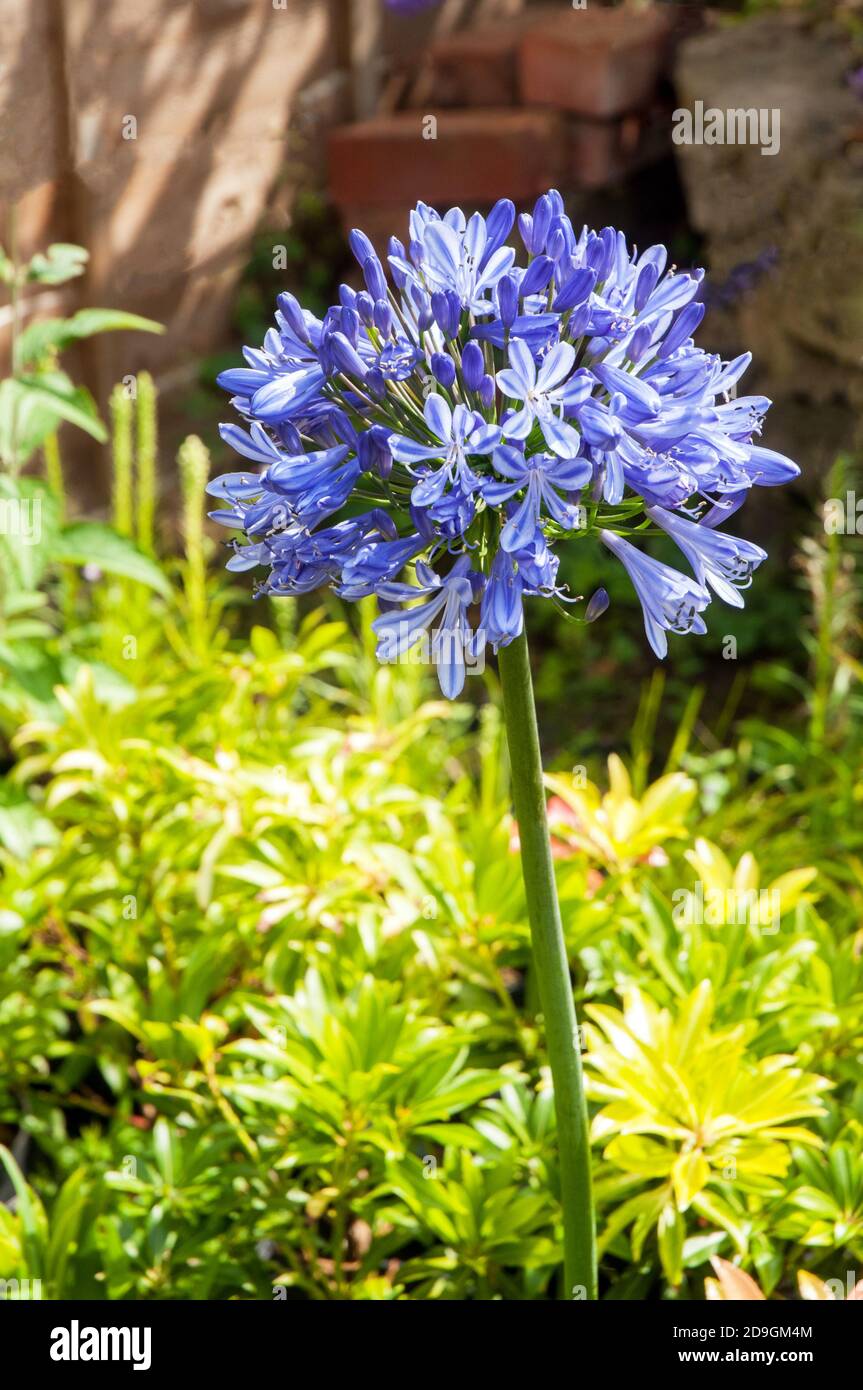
pixel 799 209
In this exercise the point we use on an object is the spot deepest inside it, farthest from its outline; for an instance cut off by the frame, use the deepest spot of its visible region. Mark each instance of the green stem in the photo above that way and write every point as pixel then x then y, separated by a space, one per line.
pixel 121 445
pixel 147 456
pixel 552 970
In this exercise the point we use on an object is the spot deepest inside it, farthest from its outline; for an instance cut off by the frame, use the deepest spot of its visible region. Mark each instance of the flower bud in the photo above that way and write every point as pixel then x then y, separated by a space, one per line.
pixel 537 276
pixel 596 607
pixel 294 315
pixel 383 317
pixel 472 366
pixel 361 246
pixel 507 299
pixel 365 306
pixel 346 356
pixel 444 369
pixel 446 308
pixel 373 274
pixel 351 325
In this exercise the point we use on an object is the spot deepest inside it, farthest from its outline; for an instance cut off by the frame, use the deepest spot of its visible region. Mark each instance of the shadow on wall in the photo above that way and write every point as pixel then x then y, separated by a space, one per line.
pixel 152 135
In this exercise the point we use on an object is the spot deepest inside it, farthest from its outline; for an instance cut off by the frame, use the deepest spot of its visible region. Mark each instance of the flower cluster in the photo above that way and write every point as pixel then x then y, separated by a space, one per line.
pixel 456 419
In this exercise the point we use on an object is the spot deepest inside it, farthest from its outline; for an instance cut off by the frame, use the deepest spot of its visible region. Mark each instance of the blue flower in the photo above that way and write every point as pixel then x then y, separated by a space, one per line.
pixel 543 477
pixel 502 611
pixel 724 562
pixel 542 392
pixel 514 574
pixel 447 598
pixel 398 360
pixel 455 255
pixel 455 434
pixel 474 410
pixel 670 602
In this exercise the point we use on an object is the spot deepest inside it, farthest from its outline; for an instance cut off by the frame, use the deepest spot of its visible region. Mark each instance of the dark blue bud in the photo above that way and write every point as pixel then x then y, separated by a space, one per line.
pixel 342 427
pixel 472 366
pixel 556 244
pixel 578 322
pixel 346 356
pixel 507 299
pixel 639 342
pixel 537 276
pixel 421 301
pixel 683 327
pixel 525 228
pixel 294 316
pixel 373 274
pixel 485 391
pixel 365 306
pixel 375 383
pixel 597 606
pixel 498 225
pixel 599 255
pixel 381 435
pixel 446 308
pixel 645 285
pixel 384 523
pixel 383 316
pixel 443 368
pixel 542 215
pixel 422 522
pixel 351 325
pixel 365 451
pixel 288 435
pixel 361 246
pixel 395 248
pixel 373 452
pixel 575 290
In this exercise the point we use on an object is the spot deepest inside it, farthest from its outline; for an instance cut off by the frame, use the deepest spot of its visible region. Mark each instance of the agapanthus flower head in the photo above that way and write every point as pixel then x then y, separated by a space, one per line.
pixel 440 432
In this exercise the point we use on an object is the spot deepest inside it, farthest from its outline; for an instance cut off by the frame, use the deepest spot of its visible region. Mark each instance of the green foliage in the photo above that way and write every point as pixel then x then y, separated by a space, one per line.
pixel 39 396
pixel 685 1108
pixel 39 550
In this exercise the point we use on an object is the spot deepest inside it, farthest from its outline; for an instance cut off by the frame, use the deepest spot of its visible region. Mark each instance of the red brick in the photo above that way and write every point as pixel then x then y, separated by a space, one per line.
pixel 477 67
pixel 596 62
pixel 478 156
pixel 600 153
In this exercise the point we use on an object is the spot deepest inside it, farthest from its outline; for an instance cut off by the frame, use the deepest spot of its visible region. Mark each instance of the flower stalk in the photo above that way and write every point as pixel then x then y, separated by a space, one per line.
pixel 552 970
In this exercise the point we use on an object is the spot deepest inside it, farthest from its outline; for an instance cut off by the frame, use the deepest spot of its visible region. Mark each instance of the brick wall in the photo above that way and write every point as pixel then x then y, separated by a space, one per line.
pixel 152 133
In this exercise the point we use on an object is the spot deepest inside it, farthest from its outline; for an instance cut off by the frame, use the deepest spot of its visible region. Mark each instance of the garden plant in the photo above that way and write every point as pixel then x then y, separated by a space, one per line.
pixel 272 1019
pixel 487 411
